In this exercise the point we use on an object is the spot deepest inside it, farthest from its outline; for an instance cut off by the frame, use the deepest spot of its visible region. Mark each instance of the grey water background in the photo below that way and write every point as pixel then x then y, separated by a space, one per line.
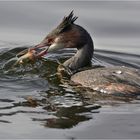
pixel 62 112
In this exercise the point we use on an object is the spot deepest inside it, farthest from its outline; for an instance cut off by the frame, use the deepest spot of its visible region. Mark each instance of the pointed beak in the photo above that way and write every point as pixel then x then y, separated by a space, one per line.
pixel 47 49
pixel 41 50
pixel 39 46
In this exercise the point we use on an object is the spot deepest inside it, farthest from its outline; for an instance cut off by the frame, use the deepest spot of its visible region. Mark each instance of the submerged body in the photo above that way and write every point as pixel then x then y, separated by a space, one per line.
pixel 111 80
pixel 108 80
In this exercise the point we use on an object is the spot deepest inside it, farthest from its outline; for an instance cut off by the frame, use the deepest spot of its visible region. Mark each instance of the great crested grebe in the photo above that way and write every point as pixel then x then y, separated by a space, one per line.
pixel 109 80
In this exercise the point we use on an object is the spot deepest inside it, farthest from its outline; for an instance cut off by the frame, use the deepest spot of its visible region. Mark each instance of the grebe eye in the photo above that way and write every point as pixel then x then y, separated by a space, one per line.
pixel 49 40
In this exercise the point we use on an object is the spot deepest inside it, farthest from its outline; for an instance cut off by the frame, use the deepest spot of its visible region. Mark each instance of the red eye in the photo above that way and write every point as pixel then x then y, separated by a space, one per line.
pixel 50 41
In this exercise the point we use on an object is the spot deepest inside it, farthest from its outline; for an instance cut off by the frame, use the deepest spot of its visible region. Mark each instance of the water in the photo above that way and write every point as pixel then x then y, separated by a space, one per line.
pixel 33 101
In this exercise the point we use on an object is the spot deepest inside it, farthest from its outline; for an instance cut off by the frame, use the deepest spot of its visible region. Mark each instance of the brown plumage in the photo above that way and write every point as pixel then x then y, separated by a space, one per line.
pixel 70 35
pixel 66 23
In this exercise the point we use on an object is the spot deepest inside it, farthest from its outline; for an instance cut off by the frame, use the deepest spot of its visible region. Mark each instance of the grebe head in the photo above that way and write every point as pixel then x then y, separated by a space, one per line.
pixel 69 35
pixel 60 36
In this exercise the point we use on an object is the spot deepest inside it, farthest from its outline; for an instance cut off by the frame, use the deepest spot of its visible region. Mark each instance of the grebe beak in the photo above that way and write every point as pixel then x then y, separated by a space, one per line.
pixel 41 47
pixel 52 48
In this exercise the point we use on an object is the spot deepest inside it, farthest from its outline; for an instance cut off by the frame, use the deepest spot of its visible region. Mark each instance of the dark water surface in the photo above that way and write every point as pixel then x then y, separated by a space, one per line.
pixel 33 101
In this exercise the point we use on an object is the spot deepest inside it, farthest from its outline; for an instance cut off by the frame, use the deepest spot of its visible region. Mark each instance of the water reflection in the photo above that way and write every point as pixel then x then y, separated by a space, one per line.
pixel 67 117
pixel 58 112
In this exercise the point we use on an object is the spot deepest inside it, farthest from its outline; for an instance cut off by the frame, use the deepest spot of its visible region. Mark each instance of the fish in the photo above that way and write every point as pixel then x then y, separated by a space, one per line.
pixel 26 56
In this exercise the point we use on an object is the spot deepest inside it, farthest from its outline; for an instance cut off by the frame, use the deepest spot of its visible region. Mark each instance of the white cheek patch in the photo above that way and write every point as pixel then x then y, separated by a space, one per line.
pixel 55 47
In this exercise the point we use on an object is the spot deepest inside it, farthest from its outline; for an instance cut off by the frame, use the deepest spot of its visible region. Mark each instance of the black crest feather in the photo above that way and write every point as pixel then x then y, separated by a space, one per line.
pixel 66 22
